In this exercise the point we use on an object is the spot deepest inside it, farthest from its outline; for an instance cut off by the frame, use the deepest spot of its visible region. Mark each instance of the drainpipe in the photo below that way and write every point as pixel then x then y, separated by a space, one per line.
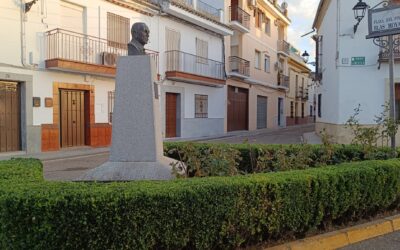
pixel 23 37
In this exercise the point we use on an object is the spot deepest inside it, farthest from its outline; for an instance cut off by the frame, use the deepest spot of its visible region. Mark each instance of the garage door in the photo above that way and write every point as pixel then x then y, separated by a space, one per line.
pixel 238 99
pixel 10 128
pixel 261 112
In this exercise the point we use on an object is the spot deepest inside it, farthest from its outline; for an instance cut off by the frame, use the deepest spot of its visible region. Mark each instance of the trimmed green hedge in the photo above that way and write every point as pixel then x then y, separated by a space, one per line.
pixel 201 213
pixel 317 154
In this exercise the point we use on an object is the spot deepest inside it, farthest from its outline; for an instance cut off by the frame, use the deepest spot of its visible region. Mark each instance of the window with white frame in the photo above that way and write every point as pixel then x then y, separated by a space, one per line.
pixel 267 64
pixel 257 59
pixel 201 106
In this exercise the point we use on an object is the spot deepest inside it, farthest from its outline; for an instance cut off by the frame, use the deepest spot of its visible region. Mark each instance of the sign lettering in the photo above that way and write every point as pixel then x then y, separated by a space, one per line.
pixel 384 21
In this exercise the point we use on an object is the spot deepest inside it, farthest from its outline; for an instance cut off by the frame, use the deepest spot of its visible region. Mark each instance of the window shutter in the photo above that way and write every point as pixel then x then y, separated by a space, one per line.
pixel 118 31
pixel 173 40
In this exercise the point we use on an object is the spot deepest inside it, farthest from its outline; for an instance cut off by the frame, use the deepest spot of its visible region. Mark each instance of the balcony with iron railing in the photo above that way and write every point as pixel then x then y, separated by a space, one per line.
pixel 239 67
pixel 305 94
pixel 283 81
pixel 299 93
pixel 185 67
pixel 283 47
pixel 199 13
pixel 202 7
pixel 239 19
pixel 76 52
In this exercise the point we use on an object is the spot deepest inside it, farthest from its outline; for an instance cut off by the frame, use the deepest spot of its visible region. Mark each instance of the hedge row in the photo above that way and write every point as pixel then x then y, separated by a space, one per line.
pixel 200 213
pixel 316 155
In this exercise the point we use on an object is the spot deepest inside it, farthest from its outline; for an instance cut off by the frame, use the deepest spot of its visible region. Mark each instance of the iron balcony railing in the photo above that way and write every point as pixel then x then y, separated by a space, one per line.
pixel 208 10
pixel 299 92
pixel 192 64
pixel 283 46
pixel 305 94
pixel 239 65
pixel 239 15
pixel 283 80
pixel 77 47
pixel 201 7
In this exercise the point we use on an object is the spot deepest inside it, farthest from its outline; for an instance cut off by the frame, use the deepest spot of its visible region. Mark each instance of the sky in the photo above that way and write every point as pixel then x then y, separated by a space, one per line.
pixel 302 13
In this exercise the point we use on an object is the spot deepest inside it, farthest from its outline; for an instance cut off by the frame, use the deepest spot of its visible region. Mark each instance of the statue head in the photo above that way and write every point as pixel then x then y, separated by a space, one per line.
pixel 140 32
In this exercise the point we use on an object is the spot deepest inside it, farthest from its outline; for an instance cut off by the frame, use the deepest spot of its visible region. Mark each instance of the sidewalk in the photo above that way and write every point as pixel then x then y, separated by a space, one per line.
pixel 87 151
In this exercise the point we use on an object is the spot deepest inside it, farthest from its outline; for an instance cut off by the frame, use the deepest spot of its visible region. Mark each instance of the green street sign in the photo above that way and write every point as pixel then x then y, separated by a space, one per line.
pixel 359 60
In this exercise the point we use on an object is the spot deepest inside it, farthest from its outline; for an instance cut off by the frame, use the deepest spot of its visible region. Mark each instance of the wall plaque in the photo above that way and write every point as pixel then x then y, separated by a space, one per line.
pixel 36 102
pixel 48 102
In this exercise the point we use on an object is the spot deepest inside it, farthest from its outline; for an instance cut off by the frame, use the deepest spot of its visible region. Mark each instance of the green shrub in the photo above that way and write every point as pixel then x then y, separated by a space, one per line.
pixel 255 158
pixel 199 213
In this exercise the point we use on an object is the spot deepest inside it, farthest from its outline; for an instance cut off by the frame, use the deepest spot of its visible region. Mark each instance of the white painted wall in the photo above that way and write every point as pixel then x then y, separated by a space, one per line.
pixel 345 86
pixel 329 88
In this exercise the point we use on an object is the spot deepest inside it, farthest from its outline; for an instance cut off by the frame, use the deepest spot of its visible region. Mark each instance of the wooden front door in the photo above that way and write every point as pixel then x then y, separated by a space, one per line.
pixel 171 115
pixel 72 104
pixel 238 99
pixel 10 112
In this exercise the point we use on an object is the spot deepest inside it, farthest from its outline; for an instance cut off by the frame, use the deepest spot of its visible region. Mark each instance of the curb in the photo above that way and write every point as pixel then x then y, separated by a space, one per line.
pixel 344 237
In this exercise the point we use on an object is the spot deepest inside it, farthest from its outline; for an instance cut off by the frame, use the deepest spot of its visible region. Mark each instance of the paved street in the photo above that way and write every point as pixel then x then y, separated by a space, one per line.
pixel 386 242
pixel 289 135
pixel 72 167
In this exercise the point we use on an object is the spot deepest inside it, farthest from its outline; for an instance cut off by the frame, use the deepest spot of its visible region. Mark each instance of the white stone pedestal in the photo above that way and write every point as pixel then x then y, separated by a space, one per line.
pixel 136 149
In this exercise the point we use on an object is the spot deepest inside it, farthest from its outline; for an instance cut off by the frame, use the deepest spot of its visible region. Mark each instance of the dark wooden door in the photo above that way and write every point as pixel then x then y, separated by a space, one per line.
pixel 238 99
pixel 171 115
pixel 10 113
pixel 72 118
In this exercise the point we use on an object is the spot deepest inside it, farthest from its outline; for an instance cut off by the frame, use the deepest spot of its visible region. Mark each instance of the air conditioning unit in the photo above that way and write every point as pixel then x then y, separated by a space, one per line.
pixel 252 4
pixel 109 59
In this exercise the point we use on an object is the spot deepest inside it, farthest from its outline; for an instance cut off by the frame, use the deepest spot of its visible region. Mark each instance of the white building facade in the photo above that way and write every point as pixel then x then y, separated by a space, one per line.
pixel 57 69
pixel 350 70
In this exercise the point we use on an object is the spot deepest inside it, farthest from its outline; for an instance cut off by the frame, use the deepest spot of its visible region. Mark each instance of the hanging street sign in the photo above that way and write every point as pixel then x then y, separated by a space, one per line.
pixel 360 60
pixel 384 21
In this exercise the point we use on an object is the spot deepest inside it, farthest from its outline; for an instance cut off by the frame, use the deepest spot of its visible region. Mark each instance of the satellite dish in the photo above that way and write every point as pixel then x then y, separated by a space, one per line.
pixel 284 5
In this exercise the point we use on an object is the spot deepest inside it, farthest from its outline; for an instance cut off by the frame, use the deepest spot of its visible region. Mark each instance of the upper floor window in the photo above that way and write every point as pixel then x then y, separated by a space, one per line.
pixel 202 51
pixel 259 17
pixel 267 64
pixel 267 26
pixel 72 17
pixel 118 31
pixel 257 59
pixel 172 40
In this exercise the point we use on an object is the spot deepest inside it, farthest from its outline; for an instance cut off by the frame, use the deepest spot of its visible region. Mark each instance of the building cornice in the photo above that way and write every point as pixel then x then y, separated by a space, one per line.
pixel 275 11
pixel 141 6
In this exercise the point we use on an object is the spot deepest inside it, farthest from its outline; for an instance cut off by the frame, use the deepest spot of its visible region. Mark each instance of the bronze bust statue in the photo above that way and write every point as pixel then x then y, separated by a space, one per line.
pixel 140 36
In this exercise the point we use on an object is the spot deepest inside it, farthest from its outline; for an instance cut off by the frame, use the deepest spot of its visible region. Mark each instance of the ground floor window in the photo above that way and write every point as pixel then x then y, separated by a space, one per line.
pixel 319 105
pixel 111 99
pixel 201 106
pixel 302 110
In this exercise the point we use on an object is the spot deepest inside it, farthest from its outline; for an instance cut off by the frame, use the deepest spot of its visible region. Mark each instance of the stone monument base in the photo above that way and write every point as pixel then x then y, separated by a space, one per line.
pixel 128 171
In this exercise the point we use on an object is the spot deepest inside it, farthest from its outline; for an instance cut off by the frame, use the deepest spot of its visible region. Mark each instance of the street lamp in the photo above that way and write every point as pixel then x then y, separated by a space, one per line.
pixel 359 13
pixel 306 56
